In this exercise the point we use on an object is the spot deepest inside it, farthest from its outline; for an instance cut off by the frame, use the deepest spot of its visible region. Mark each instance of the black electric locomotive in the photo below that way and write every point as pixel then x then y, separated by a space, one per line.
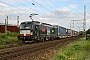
pixel 36 31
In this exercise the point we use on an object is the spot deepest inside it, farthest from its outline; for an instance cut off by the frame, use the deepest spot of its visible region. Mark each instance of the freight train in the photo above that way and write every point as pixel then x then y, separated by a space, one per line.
pixel 37 31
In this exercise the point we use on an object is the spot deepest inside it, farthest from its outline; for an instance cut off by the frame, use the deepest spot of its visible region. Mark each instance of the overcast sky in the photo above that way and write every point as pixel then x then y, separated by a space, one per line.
pixel 55 12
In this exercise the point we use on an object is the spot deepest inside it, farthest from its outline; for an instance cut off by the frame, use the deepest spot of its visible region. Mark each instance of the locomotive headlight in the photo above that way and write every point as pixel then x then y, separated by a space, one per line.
pixel 31 33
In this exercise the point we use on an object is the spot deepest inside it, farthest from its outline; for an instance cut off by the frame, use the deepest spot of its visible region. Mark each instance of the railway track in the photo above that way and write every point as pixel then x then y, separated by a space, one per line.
pixel 8 53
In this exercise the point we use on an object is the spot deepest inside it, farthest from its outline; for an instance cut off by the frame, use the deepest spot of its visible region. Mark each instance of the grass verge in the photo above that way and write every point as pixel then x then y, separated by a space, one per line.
pixel 9 38
pixel 78 50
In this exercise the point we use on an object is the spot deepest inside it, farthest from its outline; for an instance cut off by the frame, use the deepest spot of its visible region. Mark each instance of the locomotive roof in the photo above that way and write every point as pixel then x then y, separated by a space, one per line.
pixel 34 22
pixel 38 23
pixel 45 24
pixel 58 26
pixel 26 22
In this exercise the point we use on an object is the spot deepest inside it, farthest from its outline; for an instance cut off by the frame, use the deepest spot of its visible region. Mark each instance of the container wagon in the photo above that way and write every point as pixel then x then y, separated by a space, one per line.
pixel 69 33
pixel 76 33
pixel 73 33
pixel 60 31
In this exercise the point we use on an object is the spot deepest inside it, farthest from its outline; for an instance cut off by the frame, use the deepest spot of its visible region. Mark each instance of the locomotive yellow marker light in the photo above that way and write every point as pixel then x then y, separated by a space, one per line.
pixel 52 30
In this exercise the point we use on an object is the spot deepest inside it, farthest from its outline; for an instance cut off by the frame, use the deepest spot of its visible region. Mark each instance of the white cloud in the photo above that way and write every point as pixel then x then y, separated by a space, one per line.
pixel 12 1
pixel 64 0
pixel 3 5
pixel 66 9
pixel 86 1
pixel 88 20
pixel 60 16
pixel 72 6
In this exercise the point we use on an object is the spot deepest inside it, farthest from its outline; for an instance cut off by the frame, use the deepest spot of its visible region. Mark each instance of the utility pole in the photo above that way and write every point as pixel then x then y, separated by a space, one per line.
pixel 84 21
pixel 73 23
pixel 17 21
pixel 5 25
pixel 75 20
pixel 7 20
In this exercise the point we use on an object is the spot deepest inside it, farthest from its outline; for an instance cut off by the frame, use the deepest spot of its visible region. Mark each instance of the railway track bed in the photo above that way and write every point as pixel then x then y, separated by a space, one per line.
pixel 32 51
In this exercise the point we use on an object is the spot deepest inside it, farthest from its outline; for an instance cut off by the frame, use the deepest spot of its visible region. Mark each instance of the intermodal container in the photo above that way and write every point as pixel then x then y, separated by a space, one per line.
pixel 62 31
pixel 69 32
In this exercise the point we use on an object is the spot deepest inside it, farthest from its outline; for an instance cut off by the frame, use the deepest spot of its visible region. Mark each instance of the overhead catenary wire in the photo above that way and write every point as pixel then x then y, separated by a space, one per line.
pixel 26 10
pixel 52 7
pixel 53 3
pixel 30 2
pixel 57 6
pixel 39 5
pixel 20 3
pixel 42 6
pixel 34 4
pixel 46 3
pixel 60 17
pixel 29 7
pixel 46 8
pixel 15 7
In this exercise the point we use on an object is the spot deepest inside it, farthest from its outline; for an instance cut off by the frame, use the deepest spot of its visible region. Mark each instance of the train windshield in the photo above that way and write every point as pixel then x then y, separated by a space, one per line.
pixel 26 26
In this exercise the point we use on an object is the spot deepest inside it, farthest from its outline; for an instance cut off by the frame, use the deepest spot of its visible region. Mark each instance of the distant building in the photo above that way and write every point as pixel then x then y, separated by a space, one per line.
pixel 10 27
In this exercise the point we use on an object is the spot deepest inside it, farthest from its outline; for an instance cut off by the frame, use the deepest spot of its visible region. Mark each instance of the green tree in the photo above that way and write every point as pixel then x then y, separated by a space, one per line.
pixel 88 31
pixel 81 33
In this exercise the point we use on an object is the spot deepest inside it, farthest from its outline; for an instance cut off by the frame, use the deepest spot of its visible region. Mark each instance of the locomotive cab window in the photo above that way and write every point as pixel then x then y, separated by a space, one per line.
pixel 26 26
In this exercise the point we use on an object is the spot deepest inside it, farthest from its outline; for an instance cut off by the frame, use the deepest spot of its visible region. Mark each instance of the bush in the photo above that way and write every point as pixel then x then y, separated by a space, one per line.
pixel 76 47
pixel 9 38
pixel 3 36
pixel 12 33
